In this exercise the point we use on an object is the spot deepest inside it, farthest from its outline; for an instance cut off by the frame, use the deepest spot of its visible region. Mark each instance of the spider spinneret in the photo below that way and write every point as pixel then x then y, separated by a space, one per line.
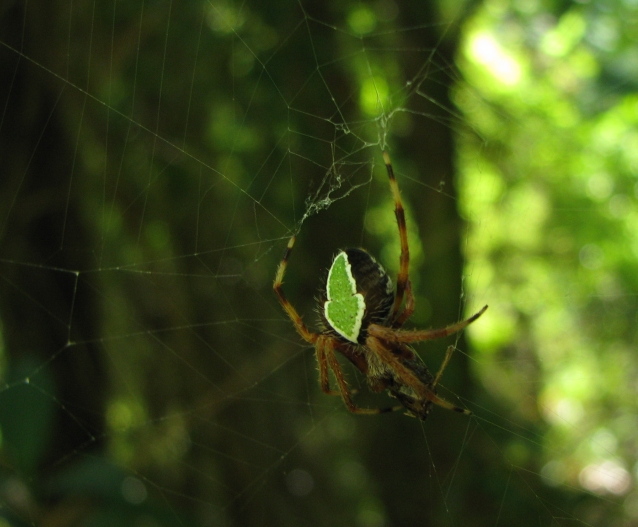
pixel 362 319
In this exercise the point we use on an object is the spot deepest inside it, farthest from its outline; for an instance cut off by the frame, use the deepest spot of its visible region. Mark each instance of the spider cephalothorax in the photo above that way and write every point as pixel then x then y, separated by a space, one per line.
pixel 362 317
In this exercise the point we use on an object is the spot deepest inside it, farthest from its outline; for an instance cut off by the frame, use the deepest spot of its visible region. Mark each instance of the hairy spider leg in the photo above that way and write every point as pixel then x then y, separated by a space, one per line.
pixel 417 335
pixel 324 379
pixel 409 306
pixel 385 354
pixel 328 360
pixel 306 334
pixel 404 258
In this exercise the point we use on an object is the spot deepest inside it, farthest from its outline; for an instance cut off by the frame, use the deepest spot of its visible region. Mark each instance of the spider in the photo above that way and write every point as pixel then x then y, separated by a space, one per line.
pixel 361 317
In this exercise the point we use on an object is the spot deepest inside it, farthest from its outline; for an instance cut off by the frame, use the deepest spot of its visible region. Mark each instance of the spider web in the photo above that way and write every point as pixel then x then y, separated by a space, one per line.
pixel 160 158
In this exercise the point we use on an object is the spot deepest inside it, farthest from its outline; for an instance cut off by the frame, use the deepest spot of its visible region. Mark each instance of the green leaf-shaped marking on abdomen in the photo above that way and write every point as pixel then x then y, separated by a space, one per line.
pixel 345 307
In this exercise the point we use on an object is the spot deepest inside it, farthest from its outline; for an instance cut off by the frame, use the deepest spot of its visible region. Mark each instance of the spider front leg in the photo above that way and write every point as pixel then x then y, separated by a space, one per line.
pixel 404 258
pixel 417 335
pixel 296 319
pixel 409 306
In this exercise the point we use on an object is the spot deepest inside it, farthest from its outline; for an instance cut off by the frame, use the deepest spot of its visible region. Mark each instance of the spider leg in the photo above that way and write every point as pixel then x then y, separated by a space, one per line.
pixel 324 379
pixel 327 359
pixel 407 377
pixel 409 306
pixel 301 328
pixel 404 259
pixel 416 335
pixel 446 360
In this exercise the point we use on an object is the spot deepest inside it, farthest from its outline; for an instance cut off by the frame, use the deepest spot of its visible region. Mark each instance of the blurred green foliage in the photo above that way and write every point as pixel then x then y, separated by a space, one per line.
pixel 553 98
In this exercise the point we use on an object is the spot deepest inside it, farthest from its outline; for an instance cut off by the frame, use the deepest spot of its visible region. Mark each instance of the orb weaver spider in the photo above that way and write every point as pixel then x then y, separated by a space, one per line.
pixel 361 318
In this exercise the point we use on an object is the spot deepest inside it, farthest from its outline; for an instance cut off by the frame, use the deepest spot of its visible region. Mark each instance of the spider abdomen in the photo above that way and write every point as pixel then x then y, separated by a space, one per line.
pixel 358 292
